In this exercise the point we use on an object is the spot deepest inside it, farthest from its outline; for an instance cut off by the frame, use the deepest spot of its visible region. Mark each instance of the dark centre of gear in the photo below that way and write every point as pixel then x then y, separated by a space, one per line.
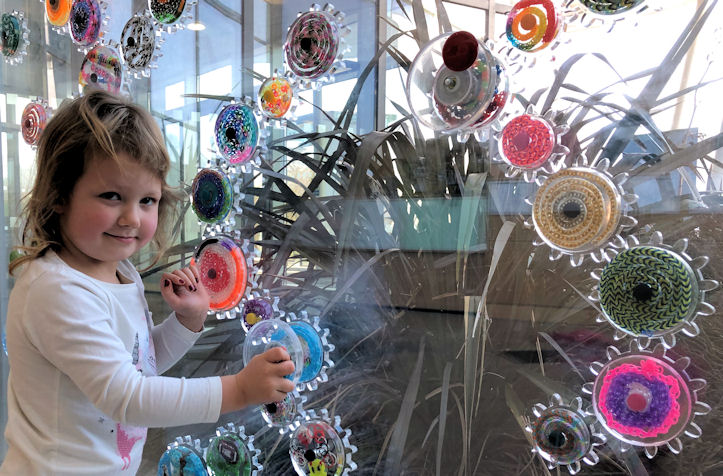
pixel 571 210
pixel 28 123
pixel 231 134
pixel 211 273
pixel 53 3
pixel 271 408
pixel 642 292
pixel 557 438
pixel 131 42
pixel 309 455
pixel 305 44
pixel 521 140
pixel 94 77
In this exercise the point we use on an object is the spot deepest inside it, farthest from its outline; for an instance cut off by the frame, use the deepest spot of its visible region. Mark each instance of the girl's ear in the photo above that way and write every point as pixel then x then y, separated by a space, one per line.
pixel 58 208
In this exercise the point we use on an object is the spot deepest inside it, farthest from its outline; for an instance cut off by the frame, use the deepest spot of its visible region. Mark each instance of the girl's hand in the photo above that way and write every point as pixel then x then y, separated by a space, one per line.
pixel 261 381
pixel 183 291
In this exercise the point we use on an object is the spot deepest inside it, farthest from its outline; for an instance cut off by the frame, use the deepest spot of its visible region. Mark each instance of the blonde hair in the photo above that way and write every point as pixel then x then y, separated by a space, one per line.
pixel 97 125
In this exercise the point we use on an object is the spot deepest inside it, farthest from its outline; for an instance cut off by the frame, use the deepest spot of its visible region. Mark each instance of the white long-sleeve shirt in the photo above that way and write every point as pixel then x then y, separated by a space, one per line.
pixel 84 363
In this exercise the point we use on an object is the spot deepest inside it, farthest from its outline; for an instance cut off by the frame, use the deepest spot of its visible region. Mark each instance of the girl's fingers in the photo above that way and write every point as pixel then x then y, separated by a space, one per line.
pixel 194 271
pixel 184 280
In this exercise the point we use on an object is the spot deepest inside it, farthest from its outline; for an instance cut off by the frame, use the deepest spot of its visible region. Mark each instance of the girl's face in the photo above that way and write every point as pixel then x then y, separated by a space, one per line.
pixel 112 213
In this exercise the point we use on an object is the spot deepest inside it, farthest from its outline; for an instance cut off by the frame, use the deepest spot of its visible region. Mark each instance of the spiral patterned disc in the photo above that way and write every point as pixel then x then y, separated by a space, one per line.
pixel 227 455
pixel 181 461
pixel 533 24
pixel 275 95
pixel 138 42
pixel 101 69
pixel 256 310
pixel 561 435
pixel 316 448
pixel 224 272
pixel 312 44
pixel 237 133
pixel 313 350
pixel 648 291
pixel 86 18
pixel 58 11
pixel 212 195
pixel 167 12
pixel 11 34
pixel 610 7
pixel 33 122
pixel 642 400
pixel 280 414
pixel 527 142
pixel 577 209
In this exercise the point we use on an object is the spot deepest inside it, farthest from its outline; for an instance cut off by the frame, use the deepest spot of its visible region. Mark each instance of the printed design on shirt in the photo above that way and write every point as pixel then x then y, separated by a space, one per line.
pixel 126 438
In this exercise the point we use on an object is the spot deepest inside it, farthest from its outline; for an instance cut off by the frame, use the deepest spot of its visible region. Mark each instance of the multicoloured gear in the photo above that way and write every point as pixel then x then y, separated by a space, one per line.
pixel 211 195
pixel 86 19
pixel 645 398
pixel 533 25
pixel 101 69
pixel 224 271
pixel 237 133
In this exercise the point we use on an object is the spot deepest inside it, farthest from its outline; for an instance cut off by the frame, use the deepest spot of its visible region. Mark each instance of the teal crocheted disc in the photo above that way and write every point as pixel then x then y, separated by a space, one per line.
pixel 648 291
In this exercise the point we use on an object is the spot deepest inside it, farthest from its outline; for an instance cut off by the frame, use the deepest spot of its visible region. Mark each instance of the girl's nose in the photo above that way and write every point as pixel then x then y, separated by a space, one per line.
pixel 130 217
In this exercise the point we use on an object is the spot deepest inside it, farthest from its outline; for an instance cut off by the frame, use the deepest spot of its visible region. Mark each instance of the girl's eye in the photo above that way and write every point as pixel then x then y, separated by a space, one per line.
pixel 110 196
pixel 148 201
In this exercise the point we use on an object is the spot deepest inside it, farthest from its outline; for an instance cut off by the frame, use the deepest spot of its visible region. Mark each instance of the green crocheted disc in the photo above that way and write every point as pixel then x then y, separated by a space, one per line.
pixel 648 291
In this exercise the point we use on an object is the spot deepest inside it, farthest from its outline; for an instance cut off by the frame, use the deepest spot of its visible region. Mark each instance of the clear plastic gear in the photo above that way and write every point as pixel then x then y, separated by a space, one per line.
pixel 316 346
pixel 646 399
pixel 529 143
pixel 183 457
pixel 140 44
pixel 534 30
pixel 34 119
pixel 580 211
pixel 315 47
pixel 57 12
pixel 240 135
pixel 653 292
pixel 171 15
pixel 565 434
pixel 252 271
pixel 273 333
pixel 320 444
pixel 258 307
pixel 233 450
pixel 88 23
pixel 286 414
pixel 605 13
pixel 459 89
pixel 15 35
pixel 102 68
pixel 277 99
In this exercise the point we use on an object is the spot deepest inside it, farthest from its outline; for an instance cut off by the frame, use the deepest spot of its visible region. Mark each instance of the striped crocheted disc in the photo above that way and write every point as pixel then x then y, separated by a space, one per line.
pixel 610 7
pixel 648 291
pixel 576 209
pixel 561 435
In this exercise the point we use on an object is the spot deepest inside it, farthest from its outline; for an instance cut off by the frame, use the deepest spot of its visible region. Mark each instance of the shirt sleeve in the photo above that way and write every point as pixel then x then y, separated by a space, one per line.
pixel 171 340
pixel 70 325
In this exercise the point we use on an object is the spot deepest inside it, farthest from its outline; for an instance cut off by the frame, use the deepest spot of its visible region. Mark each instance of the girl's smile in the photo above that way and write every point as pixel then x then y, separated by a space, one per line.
pixel 111 214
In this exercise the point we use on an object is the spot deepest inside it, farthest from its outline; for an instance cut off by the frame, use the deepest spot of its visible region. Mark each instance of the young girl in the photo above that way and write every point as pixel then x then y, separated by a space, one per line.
pixel 84 354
